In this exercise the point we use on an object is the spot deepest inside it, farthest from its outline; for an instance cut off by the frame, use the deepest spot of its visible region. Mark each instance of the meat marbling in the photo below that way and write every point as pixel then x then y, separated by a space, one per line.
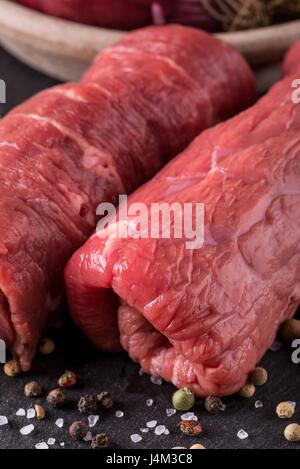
pixel 71 147
pixel 203 318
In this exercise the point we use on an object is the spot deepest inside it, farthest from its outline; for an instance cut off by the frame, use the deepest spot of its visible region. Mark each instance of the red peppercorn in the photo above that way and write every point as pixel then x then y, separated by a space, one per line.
pixel 190 428
pixel 67 380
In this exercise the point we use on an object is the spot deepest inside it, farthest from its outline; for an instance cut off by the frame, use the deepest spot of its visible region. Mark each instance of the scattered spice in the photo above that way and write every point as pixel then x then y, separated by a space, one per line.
pixel 285 410
pixel 33 389
pixel 290 330
pixel 67 380
pixel 59 423
pixel 242 435
pixel 247 391
pixel 197 446
pixel 47 346
pixel 87 404
pixel 100 441
pixel 183 399
pixel 3 420
pixel 190 428
pixel 259 376
pixel 136 438
pixel 27 429
pixel 56 398
pixel 78 430
pixel 105 400
pixel 292 432
pixel 214 405
pixel 12 368
pixel 39 412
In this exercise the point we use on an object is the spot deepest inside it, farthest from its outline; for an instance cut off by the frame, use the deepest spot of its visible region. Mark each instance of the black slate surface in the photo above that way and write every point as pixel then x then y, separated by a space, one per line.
pixel 117 374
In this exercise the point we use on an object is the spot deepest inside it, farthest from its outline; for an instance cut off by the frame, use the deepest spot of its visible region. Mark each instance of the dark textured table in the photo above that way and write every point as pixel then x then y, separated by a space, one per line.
pixel 117 374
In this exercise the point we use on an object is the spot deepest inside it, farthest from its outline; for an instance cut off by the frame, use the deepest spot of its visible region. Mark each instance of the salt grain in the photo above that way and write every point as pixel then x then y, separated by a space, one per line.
pixel 159 430
pixel 144 430
pixel 93 420
pixel 30 414
pixel 62 444
pixel 141 372
pixel 189 416
pixel 151 424
pixel 149 402
pixel 258 405
pixel 276 346
pixel 21 413
pixel 156 380
pixel 136 438
pixel 27 429
pixel 59 423
pixel 170 412
pixel 42 445
pixel 51 441
pixel 3 420
pixel 119 414
pixel 242 435
pixel 167 432
pixel 88 437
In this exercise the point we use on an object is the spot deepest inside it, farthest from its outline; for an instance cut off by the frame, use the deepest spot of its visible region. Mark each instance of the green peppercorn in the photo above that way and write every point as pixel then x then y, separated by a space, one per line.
pixel 259 376
pixel 78 430
pixel 56 398
pixel 183 399
pixel 100 441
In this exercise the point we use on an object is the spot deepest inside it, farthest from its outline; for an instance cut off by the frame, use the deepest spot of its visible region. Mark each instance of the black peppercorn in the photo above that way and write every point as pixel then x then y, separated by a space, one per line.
pixel 214 405
pixel 33 389
pixel 78 430
pixel 87 404
pixel 56 398
pixel 105 400
pixel 100 441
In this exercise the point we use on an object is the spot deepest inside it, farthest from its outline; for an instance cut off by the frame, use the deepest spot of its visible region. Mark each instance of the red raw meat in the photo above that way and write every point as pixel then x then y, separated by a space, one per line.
pixel 203 318
pixel 73 146
pixel 292 59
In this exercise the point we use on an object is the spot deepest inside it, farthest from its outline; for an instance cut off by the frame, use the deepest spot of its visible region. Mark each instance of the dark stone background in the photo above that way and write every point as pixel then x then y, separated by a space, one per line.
pixel 117 374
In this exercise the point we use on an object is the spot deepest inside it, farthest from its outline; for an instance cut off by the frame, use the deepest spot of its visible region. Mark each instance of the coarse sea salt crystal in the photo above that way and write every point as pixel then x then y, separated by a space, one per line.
pixel 159 430
pixel 170 412
pixel 151 424
pixel 189 416
pixel 258 405
pixel 93 420
pixel 156 380
pixel 136 438
pixel 242 435
pixel 276 346
pixel 141 372
pixel 30 414
pixel 62 444
pixel 42 445
pixel 27 429
pixel 88 437
pixel 167 432
pixel 119 414
pixel 51 441
pixel 21 413
pixel 144 430
pixel 3 420
pixel 149 402
pixel 59 423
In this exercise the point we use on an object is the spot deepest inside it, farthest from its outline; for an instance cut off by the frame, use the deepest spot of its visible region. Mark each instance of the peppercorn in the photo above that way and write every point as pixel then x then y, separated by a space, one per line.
pixel 190 428
pixel 247 391
pixel 183 399
pixel 78 430
pixel 39 412
pixel 285 410
pixel 67 380
pixel 33 389
pixel 56 398
pixel 292 432
pixel 47 346
pixel 100 441
pixel 214 405
pixel 290 330
pixel 12 368
pixel 87 404
pixel 197 446
pixel 259 376
pixel 105 400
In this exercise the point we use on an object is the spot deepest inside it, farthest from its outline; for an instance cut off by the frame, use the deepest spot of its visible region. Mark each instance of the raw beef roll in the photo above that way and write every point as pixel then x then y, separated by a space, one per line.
pixel 204 317
pixel 71 147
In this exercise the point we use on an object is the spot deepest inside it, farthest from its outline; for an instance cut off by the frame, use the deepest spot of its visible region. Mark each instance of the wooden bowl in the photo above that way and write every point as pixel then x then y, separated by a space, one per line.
pixel 63 49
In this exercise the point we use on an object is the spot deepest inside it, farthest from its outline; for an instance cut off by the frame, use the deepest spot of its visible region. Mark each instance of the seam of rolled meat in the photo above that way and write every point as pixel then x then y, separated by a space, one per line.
pixel 71 147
